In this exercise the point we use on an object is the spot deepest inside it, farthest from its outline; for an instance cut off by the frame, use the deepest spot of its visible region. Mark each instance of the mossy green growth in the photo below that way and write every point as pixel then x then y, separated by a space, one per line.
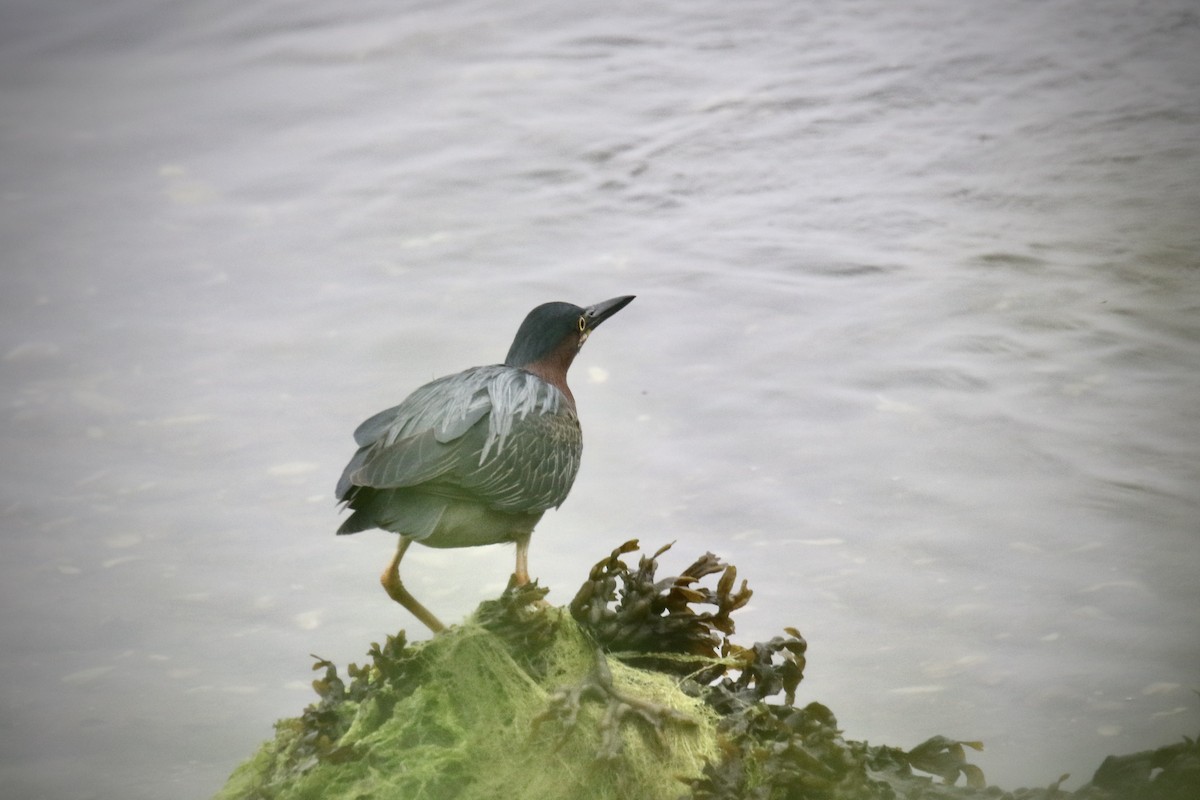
pixel 457 717
pixel 637 692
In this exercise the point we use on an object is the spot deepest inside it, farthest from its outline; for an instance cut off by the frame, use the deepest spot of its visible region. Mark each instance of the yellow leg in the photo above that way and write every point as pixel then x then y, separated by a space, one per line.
pixel 395 589
pixel 522 574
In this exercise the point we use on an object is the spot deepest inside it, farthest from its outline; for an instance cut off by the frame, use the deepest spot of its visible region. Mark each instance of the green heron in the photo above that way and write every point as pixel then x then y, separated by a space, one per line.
pixel 475 458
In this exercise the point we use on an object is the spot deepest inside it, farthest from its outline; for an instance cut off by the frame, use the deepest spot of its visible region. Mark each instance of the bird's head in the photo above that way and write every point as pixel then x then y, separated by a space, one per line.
pixel 552 333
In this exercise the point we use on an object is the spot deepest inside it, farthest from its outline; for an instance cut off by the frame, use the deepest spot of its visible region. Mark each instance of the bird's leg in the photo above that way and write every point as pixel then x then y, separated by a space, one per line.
pixel 395 589
pixel 521 576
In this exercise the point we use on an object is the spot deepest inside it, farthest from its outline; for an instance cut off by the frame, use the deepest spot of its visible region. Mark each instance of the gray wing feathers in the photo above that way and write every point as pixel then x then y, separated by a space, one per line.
pixel 449 405
pixel 499 434
pixel 536 468
pixel 407 462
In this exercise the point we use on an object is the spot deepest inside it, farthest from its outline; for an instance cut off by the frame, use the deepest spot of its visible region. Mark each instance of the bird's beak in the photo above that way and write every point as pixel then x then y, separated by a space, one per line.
pixel 602 311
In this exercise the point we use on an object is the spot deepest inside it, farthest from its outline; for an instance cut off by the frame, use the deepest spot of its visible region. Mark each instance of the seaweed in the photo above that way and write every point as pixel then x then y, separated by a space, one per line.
pixel 1167 773
pixel 631 612
pixel 769 750
pixel 683 709
pixel 565 704
pixel 323 724
pixel 515 617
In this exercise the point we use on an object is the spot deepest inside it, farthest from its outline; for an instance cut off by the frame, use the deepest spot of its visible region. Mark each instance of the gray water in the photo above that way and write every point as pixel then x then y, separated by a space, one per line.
pixel 916 346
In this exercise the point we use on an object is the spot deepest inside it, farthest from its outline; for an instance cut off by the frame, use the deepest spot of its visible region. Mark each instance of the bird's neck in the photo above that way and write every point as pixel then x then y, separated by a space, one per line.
pixel 552 368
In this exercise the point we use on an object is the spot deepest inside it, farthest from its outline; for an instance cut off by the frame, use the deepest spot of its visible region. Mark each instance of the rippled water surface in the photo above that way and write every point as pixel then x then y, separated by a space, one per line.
pixel 916 346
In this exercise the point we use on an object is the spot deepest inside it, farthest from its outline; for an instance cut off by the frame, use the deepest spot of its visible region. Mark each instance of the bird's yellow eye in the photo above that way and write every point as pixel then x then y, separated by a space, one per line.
pixel 582 324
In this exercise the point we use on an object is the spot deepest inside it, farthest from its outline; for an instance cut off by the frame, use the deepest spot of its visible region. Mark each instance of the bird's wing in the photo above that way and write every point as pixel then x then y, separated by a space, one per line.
pixel 415 442
pixel 536 467
pixel 497 435
pixel 449 406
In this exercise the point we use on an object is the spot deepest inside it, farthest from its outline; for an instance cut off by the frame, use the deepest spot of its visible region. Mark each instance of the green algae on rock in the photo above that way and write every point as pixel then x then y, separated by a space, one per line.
pixel 454 718
pixel 502 705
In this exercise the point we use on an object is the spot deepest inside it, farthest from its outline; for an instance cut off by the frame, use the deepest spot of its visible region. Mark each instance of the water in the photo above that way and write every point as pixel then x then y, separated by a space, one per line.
pixel 915 346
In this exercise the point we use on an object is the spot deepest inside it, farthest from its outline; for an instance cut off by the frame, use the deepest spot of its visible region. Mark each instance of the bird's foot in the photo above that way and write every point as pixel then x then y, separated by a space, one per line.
pixel 526 594
pixel 519 617
pixel 566 703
